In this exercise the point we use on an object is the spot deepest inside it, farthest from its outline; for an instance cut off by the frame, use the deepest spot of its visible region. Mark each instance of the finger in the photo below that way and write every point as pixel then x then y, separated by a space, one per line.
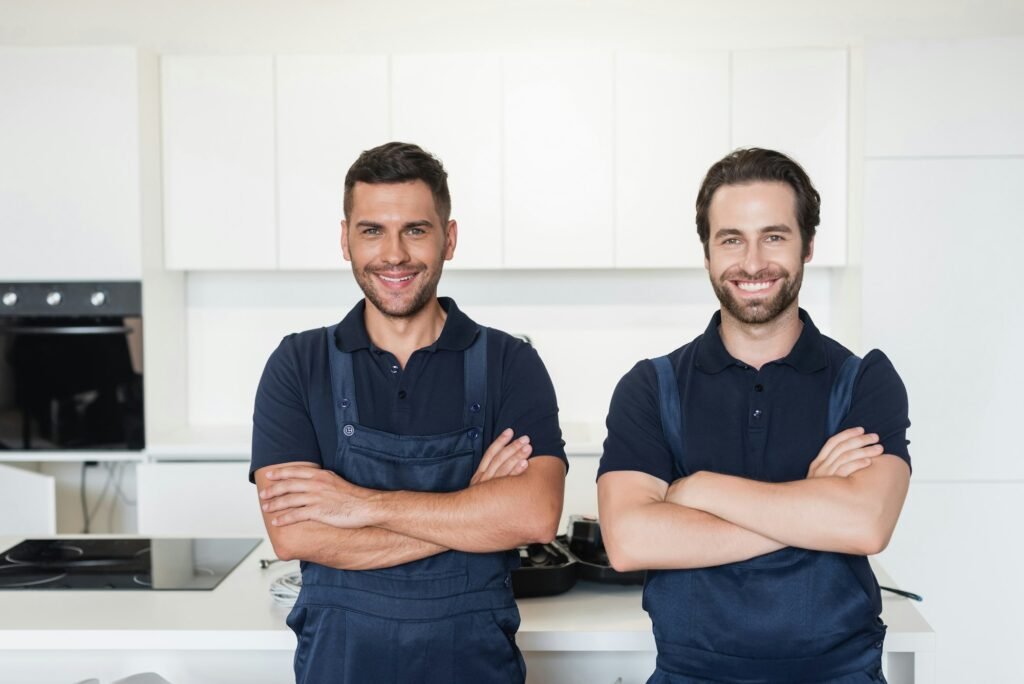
pixel 292 516
pixel 287 501
pixel 512 452
pixel 513 463
pixel 846 446
pixel 831 443
pixel 853 456
pixel 848 469
pixel 496 446
pixel 286 487
pixel 301 473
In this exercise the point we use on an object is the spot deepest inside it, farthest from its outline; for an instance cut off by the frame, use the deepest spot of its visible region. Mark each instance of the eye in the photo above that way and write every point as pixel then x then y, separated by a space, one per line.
pixel 370 231
pixel 415 231
pixel 731 241
pixel 775 238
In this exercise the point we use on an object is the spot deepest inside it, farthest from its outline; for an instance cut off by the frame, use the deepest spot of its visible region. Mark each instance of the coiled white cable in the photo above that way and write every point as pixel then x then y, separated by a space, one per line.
pixel 285 589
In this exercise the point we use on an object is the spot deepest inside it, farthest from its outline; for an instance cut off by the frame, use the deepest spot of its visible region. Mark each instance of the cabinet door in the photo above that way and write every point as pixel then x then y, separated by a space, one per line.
pixel 218 146
pixel 197 500
pixel 671 124
pixel 69 181
pixel 558 150
pixel 451 106
pixel 329 109
pixel 795 101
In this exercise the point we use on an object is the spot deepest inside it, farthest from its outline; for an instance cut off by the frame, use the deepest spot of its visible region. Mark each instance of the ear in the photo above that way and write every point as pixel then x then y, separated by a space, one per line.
pixel 344 240
pixel 810 251
pixel 451 238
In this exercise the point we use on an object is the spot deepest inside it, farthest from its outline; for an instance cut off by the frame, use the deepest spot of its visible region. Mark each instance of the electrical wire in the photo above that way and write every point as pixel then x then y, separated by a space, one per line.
pixel 285 589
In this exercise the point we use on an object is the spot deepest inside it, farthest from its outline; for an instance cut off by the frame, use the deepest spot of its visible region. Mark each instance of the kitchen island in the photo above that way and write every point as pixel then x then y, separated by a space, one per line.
pixel 236 633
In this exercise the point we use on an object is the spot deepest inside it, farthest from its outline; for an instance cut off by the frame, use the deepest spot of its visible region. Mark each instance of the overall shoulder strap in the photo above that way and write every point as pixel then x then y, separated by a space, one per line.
pixel 841 396
pixel 475 379
pixel 671 413
pixel 343 384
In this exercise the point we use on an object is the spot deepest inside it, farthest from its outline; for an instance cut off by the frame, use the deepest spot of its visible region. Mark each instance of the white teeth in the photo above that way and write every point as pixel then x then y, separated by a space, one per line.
pixel 755 287
pixel 395 280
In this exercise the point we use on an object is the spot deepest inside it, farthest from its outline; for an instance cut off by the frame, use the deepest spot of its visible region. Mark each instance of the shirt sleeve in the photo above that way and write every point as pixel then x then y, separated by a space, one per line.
pixel 880 404
pixel 635 439
pixel 528 403
pixel 282 430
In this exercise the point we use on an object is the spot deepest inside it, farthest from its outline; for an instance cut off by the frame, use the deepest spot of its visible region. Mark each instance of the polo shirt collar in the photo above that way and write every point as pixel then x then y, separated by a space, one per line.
pixel 458 332
pixel 806 356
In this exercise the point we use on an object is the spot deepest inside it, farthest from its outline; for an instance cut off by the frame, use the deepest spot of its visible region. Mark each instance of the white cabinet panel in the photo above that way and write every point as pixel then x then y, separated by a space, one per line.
pixel 558 161
pixel 197 499
pixel 941 254
pixel 671 124
pixel 451 106
pixel 218 147
pixel 69 181
pixel 945 97
pixel 795 101
pixel 329 109
pixel 28 503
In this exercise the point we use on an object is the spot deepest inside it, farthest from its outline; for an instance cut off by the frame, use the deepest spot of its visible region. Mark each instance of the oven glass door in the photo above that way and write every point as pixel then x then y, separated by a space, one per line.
pixel 71 383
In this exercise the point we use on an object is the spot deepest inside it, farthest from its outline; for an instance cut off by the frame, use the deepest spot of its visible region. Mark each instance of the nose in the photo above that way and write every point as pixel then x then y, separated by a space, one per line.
pixel 394 251
pixel 753 258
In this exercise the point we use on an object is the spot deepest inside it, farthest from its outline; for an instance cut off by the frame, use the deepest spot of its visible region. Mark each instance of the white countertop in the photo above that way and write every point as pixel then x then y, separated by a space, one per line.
pixel 240 615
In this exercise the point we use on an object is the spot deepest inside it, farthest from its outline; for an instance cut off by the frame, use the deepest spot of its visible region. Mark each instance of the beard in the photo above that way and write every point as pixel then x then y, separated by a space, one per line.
pixel 406 304
pixel 753 311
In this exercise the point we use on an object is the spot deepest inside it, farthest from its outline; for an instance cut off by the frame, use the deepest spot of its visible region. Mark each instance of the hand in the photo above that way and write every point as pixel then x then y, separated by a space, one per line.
pixel 301 493
pixel 679 490
pixel 504 457
pixel 845 453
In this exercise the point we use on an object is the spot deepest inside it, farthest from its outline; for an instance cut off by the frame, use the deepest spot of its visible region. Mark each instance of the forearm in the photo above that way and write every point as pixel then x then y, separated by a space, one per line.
pixel 495 515
pixel 364 548
pixel 662 535
pixel 824 514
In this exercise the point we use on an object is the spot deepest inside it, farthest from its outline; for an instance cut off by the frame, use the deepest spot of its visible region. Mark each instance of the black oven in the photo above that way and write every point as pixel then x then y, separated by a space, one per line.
pixel 71 366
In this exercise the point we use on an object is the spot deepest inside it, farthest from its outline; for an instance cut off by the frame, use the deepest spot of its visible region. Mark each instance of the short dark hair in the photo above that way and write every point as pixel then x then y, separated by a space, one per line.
pixel 756 164
pixel 398 162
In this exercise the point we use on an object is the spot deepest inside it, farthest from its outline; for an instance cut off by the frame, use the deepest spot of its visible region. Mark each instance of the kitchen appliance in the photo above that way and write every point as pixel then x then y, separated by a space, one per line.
pixel 71 366
pixel 133 564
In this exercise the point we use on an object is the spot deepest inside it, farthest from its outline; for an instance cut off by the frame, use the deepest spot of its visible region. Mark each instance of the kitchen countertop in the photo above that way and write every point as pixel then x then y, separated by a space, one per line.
pixel 240 615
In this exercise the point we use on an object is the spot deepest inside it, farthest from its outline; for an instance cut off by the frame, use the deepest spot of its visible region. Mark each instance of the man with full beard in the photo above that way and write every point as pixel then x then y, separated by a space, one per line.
pixel 371 459
pixel 753 470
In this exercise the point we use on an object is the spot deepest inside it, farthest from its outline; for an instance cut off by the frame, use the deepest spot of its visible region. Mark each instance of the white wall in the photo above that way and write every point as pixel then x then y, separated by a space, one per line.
pixel 942 237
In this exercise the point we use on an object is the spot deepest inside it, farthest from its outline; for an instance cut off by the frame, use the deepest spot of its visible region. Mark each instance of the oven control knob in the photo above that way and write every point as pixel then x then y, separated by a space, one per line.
pixel 10 298
pixel 98 298
pixel 54 298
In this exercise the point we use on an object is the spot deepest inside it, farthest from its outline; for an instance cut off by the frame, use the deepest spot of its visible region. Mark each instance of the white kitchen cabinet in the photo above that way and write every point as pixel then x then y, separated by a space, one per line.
pixel 69 183
pixel 329 109
pixel 558 161
pixel 197 499
pixel 218 163
pixel 671 124
pixel 451 105
pixel 28 502
pixel 795 101
pixel 930 98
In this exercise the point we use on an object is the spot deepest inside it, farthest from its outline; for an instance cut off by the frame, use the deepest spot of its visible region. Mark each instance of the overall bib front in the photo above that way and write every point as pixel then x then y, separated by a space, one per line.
pixel 443 619
pixel 793 616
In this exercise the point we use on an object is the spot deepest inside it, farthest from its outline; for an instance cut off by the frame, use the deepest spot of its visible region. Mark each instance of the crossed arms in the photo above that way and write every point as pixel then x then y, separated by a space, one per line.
pixel 314 515
pixel 849 503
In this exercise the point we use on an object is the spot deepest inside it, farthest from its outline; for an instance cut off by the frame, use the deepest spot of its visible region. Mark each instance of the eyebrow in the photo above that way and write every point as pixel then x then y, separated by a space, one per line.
pixel 410 224
pixel 727 232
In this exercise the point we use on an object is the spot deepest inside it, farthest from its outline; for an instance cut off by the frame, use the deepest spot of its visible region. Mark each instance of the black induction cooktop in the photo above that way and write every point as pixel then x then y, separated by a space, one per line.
pixel 135 564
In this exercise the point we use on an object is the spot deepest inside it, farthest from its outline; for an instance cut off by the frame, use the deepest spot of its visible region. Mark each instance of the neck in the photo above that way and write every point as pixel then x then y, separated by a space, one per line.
pixel 759 343
pixel 403 335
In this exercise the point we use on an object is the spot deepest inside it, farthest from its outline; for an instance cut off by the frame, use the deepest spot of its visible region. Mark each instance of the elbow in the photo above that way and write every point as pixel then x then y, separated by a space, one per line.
pixel 620 555
pixel 873 542
pixel 544 528
pixel 282 549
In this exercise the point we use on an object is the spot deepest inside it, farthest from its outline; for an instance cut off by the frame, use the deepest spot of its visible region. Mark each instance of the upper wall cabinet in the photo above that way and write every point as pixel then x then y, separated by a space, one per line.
pixel 329 109
pixel 218 153
pixel 922 98
pixel 558 161
pixel 671 124
pixel 69 182
pixel 451 106
pixel 795 101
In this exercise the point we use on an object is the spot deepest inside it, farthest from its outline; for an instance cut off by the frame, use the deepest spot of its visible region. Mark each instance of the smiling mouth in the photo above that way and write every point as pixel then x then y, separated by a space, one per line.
pixel 754 286
pixel 396 279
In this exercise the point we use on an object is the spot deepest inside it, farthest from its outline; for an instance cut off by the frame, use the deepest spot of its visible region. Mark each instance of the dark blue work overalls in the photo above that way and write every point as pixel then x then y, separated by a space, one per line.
pixel 449 618
pixel 789 617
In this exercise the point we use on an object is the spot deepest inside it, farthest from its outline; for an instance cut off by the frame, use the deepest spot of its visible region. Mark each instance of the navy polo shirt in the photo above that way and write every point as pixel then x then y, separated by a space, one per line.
pixel 766 424
pixel 294 419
